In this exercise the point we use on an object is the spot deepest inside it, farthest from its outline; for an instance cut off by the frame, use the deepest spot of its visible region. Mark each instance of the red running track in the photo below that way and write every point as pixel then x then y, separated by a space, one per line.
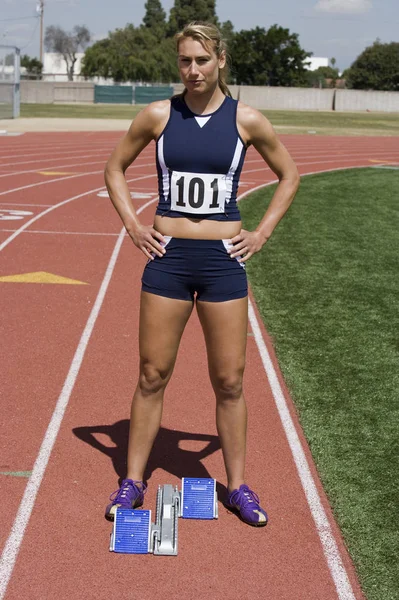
pixel 69 356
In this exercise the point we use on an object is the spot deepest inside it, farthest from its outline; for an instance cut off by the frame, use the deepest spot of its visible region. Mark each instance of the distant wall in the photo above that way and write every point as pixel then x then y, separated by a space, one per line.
pixel 359 100
pixel 287 98
pixel 50 92
pixel 272 98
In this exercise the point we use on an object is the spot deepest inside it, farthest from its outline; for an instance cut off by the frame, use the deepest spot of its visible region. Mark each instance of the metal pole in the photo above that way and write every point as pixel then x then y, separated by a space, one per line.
pixel 17 91
pixel 40 9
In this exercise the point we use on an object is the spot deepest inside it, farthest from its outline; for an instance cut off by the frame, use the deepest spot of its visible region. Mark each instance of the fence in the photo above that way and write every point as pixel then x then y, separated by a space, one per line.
pixel 9 82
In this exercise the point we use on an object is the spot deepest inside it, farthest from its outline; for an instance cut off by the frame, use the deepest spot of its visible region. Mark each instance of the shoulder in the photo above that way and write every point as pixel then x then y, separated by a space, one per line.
pixel 152 118
pixel 253 123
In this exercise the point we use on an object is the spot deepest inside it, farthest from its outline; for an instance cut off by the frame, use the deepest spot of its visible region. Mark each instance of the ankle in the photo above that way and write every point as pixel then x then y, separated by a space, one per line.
pixel 137 482
pixel 234 485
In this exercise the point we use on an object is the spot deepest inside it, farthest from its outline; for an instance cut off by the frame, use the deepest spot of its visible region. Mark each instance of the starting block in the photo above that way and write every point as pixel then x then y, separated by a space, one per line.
pixel 134 533
pixel 198 499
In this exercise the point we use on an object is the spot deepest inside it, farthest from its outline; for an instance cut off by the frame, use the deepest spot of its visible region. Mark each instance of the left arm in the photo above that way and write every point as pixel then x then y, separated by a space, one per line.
pixel 257 130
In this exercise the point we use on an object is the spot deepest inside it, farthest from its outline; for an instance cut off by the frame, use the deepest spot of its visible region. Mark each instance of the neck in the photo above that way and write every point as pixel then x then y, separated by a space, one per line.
pixel 204 103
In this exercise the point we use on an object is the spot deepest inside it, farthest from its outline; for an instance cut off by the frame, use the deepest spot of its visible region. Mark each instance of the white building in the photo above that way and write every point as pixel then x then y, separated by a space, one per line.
pixel 55 68
pixel 316 62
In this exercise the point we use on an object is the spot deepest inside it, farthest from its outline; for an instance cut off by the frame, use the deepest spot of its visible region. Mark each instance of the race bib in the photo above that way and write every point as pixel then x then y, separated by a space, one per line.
pixel 198 193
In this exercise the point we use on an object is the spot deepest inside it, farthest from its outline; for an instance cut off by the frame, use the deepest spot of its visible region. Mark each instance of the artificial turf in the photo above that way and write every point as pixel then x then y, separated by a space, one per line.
pixel 327 287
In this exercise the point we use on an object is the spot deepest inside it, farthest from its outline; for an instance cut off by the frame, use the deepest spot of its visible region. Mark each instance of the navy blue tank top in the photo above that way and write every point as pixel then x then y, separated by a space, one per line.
pixel 199 160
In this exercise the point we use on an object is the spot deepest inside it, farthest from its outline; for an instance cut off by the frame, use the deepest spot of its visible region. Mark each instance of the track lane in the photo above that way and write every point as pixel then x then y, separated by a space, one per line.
pixel 208 424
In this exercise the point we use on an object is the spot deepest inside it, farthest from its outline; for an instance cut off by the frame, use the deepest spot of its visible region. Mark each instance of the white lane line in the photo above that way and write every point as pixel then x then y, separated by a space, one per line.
pixel 68 166
pixel 54 157
pixel 45 212
pixel 19 204
pixel 323 527
pixel 21 521
pixel 62 232
pixel 54 153
pixel 32 185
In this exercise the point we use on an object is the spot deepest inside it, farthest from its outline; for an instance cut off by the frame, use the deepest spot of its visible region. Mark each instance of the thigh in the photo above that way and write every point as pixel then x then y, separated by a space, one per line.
pixel 162 322
pixel 225 327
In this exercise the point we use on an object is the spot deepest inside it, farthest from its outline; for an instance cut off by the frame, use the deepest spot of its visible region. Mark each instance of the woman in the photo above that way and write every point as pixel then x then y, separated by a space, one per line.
pixel 197 250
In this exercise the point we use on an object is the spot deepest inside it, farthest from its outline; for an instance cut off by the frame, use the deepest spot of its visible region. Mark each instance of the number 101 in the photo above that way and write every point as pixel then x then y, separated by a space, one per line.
pixel 196 192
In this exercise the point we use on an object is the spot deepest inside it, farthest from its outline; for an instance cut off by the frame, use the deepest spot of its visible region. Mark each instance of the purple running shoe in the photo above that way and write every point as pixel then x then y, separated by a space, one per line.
pixel 130 495
pixel 246 503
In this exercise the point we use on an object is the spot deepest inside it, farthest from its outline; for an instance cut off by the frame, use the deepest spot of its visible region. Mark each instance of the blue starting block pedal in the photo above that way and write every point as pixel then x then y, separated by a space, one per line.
pixel 132 531
pixel 198 499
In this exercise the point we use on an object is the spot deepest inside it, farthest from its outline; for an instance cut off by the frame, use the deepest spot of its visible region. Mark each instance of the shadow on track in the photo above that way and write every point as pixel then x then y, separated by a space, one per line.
pixel 166 453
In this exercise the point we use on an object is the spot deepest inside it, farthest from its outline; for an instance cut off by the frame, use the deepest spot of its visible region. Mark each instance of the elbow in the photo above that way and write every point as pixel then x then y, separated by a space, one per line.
pixel 110 171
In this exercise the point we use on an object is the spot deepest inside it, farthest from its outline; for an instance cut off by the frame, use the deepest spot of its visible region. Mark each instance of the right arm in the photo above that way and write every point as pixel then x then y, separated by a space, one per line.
pixel 147 126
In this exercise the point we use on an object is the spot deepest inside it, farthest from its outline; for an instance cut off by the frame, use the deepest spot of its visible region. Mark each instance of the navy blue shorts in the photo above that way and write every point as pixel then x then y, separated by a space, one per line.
pixel 196 266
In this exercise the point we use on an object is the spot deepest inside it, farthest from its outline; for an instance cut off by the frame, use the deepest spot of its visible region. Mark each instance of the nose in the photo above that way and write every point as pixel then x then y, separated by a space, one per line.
pixel 193 68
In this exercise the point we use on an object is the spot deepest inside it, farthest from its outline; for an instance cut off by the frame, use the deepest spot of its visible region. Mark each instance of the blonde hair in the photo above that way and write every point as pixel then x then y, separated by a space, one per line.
pixel 210 36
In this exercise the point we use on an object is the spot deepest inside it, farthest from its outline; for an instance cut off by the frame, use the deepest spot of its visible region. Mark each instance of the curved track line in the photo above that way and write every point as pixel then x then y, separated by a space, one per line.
pixel 80 164
pixel 12 546
pixel 31 185
pixel 45 212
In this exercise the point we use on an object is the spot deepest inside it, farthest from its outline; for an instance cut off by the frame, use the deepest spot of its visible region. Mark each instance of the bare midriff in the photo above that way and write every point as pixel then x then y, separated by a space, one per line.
pixel 198 229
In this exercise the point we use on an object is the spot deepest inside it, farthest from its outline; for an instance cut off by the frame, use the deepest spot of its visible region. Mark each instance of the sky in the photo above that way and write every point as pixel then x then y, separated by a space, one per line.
pixel 339 29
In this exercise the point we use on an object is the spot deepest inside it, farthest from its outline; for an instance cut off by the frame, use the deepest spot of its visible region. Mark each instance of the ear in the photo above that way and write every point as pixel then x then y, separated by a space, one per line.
pixel 222 60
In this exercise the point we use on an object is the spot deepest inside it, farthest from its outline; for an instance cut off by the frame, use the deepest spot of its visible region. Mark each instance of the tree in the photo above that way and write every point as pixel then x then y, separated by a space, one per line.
pixel 272 57
pixel 185 11
pixel 376 68
pixel 67 44
pixel 155 19
pixel 132 54
pixel 323 77
pixel 33 67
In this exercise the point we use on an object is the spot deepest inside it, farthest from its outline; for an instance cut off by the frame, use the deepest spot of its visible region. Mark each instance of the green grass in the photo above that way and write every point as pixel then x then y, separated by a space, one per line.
pixel 327 286
pixel 327 123
pixel 80 111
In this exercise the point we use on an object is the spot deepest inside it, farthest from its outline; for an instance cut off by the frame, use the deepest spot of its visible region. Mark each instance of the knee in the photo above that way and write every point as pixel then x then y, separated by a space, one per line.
pixel 152 379
pixel 228 387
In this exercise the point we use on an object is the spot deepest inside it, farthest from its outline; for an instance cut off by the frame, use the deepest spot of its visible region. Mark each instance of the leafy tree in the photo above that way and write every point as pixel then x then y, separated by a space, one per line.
pixel 67 44
pixel 132 54
pixel 376 68
pixel 33 66
pixel 273 57
pixel 322 77
pixel 155 18
pixel 227 31
pixel 185 11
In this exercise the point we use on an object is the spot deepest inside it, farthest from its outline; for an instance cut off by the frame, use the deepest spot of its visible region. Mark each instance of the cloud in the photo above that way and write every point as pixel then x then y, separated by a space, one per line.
pixel 344 6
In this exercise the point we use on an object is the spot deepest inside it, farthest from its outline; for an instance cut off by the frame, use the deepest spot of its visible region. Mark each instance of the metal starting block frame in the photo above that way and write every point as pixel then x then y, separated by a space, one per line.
pixel 134 533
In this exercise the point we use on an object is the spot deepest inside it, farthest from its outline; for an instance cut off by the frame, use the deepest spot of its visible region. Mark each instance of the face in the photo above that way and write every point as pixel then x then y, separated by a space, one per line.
pixel 198 65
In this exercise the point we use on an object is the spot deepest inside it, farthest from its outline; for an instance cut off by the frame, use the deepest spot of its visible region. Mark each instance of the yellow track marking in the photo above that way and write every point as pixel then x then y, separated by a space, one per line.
pixel 40 277
pixel 56 173
pixel 383 162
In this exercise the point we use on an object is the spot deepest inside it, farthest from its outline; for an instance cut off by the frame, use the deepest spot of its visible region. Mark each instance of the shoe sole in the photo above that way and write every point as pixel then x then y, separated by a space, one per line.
pixel 236 511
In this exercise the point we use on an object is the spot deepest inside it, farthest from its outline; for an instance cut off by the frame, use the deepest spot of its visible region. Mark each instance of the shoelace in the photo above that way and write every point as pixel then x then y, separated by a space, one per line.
pixel 122 492
pixel 248 494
